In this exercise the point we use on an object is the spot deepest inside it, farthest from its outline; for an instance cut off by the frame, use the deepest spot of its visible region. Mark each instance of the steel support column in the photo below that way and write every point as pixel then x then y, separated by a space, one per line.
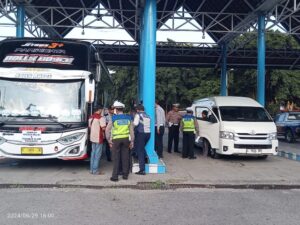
pixel 141 65
pixel 20 21
pixel 224 71
pixel 261 54
pixel 148 63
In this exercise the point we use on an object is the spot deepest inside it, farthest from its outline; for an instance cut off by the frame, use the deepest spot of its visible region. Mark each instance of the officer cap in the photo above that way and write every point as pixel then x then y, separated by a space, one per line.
pixel 189 109
pixel 118 105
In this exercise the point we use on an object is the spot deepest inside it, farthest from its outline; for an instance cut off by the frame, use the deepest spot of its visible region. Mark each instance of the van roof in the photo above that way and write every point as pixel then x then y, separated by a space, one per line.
pixel 230 101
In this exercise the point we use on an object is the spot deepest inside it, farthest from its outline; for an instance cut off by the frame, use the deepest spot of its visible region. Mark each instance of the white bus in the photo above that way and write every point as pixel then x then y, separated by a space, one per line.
pixel 47 89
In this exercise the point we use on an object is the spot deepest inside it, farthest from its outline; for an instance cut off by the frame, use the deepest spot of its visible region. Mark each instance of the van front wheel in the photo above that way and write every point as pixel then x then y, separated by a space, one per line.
pixel 206 148
pixel 214 154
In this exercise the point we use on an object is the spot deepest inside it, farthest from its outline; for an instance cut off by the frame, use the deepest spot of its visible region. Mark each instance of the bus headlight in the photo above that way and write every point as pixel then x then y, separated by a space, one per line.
pixel 2 140
pixel 272 136
pixel 70 139
pixel 226 135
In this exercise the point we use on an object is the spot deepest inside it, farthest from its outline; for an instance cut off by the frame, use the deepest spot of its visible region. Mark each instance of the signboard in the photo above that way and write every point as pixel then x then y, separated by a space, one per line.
pixel 31 136
pixel 44 54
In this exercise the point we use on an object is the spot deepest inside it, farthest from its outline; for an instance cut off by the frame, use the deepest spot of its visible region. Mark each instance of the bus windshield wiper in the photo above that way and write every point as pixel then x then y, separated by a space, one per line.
pixel 55 121
pixel 50 118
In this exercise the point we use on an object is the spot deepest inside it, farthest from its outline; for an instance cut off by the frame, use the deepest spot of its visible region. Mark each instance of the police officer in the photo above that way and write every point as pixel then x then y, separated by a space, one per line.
pixel 189 126
pixel 119 133
pixel 173 119
pixel 142 125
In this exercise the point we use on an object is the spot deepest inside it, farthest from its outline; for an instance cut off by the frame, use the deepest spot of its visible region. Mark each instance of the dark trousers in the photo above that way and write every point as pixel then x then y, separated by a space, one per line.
pixel 159 140
pixel 173 135
pixel 120 152
pixel 107 150
pixel 188 144
pixel 141 141
pixel 134 152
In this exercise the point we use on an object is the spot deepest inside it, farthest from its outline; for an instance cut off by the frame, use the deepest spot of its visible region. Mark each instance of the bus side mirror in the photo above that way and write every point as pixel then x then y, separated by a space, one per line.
pixel 98 72
pixel 98 67
pixel 89 86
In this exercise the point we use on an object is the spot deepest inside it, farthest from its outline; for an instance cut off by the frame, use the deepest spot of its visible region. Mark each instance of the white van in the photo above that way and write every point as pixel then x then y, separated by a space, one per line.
pixel 235 126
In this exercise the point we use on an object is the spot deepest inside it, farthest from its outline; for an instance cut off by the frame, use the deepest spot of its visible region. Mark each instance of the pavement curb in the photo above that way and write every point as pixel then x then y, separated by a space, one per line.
pixel 157 185
pixel 289 155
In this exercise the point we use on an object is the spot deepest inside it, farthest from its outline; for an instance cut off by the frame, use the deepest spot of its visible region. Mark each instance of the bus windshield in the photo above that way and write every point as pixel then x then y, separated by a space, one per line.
pixel 248 114
pixel 22 99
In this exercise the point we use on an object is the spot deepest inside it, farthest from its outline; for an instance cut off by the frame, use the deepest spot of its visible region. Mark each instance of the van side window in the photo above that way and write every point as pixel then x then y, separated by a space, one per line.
pixel 216 112
pixel 202 113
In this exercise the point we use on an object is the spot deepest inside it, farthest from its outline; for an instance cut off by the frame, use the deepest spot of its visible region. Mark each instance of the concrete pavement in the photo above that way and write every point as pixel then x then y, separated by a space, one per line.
pixel 203 170
pixel 168 207
pixel 289 150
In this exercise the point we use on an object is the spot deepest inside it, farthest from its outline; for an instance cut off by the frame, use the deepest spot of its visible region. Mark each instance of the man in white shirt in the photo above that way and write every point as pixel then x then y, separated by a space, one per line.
pixel 160 120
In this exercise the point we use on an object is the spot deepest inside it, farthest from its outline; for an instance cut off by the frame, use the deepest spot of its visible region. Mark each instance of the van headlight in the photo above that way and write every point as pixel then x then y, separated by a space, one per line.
pixel 70 139
pixel 272 136
pixel 226 135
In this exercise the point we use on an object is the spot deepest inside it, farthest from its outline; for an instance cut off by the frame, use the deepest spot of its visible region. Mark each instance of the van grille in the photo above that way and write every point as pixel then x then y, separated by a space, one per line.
pixel 258 136
pixel 253 146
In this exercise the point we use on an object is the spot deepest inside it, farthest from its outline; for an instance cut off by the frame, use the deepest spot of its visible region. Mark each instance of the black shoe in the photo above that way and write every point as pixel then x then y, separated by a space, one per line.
pixel 125 177
pixel 184 157
pixel 177 151
pixel 108 159
pixel 114 179
pixel 169 152
pixel 141 173
pixel 160 156
pixel 194 157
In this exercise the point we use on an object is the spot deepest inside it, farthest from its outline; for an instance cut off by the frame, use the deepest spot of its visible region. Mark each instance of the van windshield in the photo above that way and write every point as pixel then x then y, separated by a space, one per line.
pixel 248 114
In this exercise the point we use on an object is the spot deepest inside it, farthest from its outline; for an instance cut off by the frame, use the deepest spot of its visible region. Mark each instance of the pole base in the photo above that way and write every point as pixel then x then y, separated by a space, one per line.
pixel 151 168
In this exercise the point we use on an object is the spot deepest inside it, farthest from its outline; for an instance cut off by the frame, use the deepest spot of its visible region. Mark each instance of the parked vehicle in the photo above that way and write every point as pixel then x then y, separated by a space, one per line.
pixel 288 125
pixel 235 126
pixel 47 89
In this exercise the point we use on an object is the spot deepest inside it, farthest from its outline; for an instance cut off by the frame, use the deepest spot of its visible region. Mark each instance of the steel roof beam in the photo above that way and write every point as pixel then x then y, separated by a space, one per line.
pixel 265 7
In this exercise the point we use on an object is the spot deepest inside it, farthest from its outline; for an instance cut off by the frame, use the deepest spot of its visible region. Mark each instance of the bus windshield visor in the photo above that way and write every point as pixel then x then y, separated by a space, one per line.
pixel 60 101
pixel 248 114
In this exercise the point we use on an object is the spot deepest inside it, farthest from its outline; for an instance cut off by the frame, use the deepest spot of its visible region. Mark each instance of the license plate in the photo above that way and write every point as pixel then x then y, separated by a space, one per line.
pixel 253 151
pixel 31 151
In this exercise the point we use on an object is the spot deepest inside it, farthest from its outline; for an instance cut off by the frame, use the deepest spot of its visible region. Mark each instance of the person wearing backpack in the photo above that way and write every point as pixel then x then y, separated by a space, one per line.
pixel 142 123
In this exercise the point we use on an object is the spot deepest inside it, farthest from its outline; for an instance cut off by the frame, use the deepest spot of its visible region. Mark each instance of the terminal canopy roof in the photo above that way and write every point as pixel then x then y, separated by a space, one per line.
pixel 223 21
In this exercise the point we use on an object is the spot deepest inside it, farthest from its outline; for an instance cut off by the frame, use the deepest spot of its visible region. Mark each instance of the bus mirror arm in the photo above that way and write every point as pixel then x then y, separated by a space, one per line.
pixel 91 77
pixel 89 90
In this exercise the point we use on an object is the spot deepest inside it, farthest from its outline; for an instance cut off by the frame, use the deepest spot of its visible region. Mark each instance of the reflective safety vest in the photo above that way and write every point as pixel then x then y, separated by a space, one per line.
pixel 188 123
pixel 120 126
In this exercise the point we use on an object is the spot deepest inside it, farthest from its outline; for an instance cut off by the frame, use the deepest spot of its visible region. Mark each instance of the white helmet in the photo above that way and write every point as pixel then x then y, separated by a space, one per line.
pixel 118 104
pixel 189 109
